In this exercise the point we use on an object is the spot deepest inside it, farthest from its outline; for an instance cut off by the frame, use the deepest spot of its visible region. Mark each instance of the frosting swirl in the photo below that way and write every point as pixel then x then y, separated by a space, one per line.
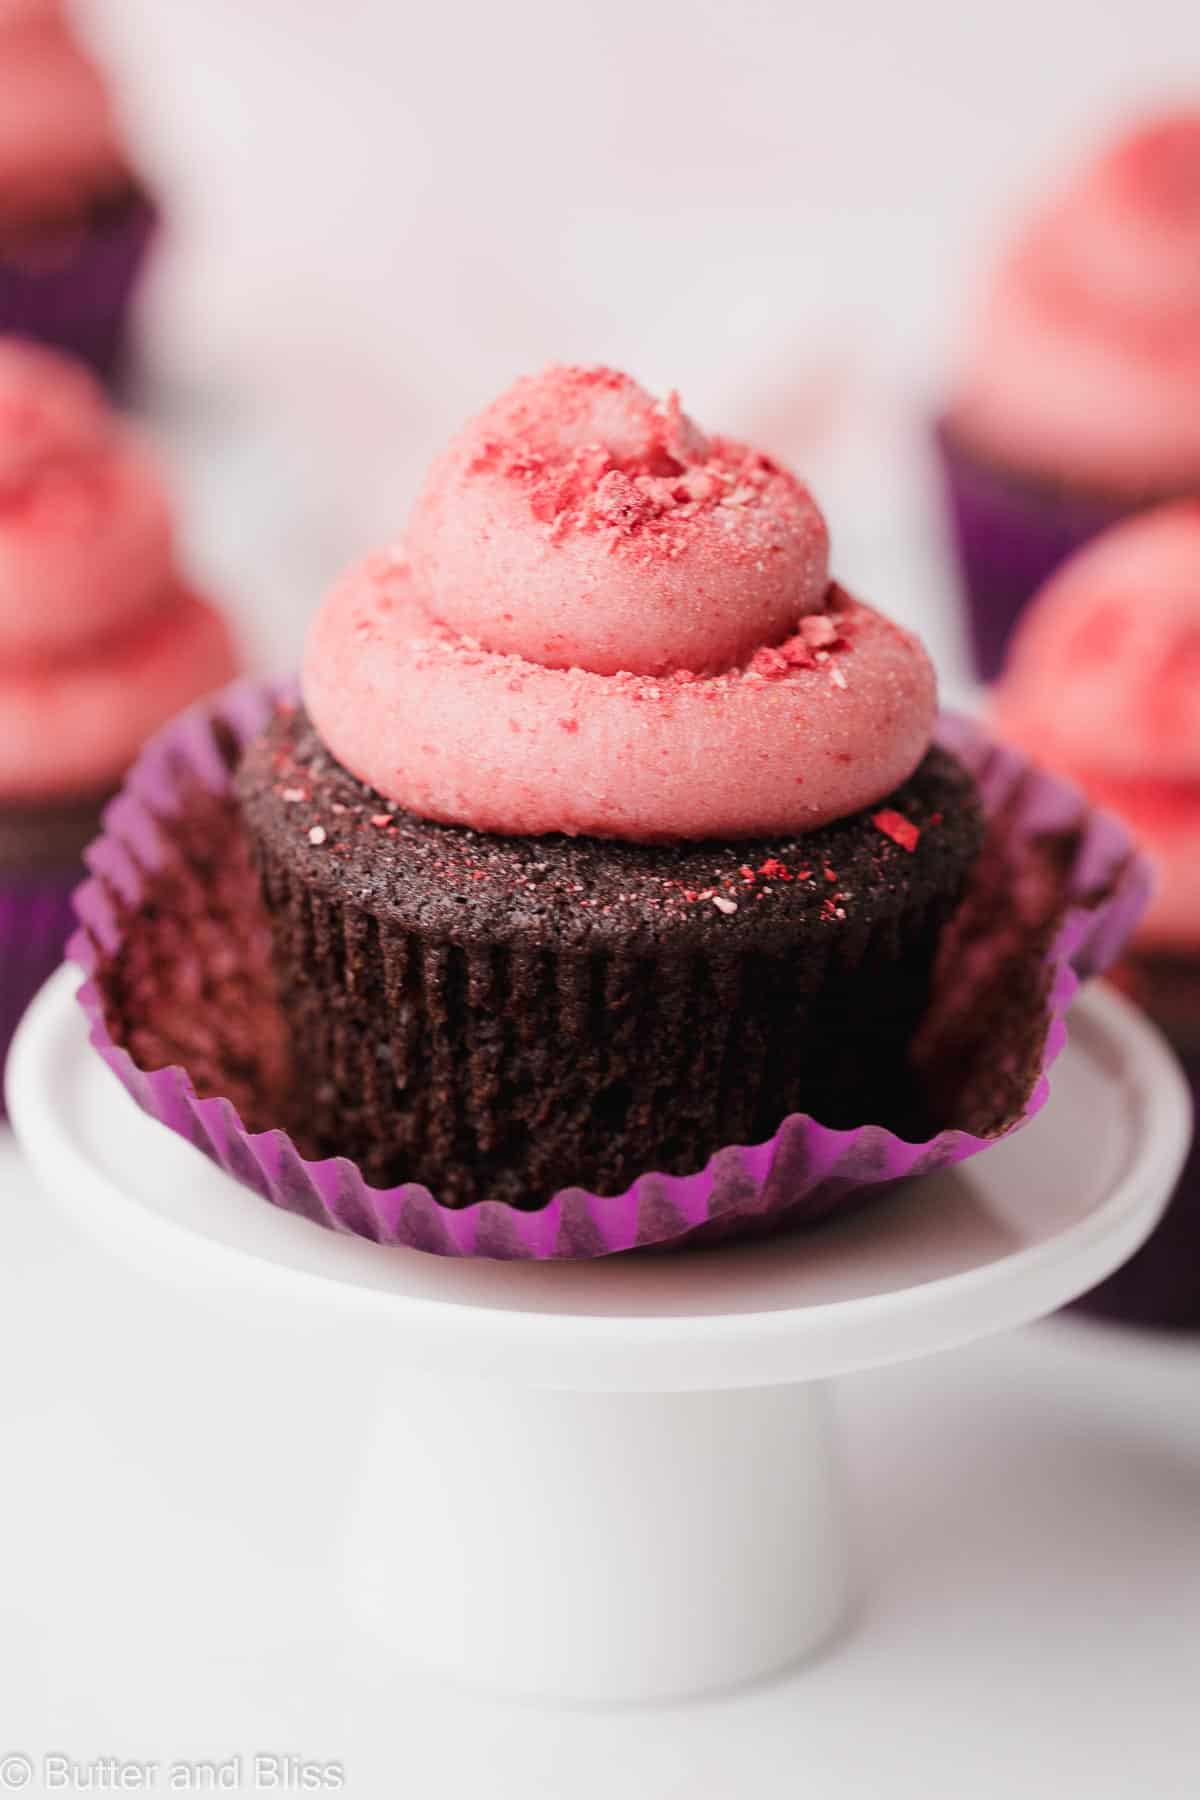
pixel 59 139
pixel 1084 362
pixel 1103 682
pixel 85 531
pixel 604 623
pixel 100 640
pixel 579 524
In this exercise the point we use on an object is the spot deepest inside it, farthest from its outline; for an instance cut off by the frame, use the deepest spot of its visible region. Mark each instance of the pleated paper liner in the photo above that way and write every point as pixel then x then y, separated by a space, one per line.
pixel 1010 536
pixel 174 942
pixel 75 290
pixel 36 919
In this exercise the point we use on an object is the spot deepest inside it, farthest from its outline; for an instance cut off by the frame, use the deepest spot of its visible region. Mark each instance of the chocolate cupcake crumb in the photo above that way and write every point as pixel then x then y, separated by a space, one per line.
pixel 498 1017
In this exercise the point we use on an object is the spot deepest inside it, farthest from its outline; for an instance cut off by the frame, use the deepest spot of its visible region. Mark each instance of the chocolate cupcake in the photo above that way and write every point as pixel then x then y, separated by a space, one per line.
pixel 75 222
pixel 100 642
pixel 609 831
pixel 1077 399
pixel 1103 684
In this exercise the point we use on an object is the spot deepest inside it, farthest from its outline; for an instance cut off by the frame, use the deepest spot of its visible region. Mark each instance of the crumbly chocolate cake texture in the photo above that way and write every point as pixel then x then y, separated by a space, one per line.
pixel 499 1017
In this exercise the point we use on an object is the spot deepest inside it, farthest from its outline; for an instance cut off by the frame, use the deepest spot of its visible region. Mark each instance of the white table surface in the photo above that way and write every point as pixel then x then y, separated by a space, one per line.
pixel 1029 1526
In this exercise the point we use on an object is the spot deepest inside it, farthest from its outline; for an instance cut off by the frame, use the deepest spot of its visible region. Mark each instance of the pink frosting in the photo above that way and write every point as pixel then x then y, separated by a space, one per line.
pixel 804 709
pixel 1103 682
pixel 49 407
pixel 1084 364
pixel 99 641
pixel 805 733
pixel 579 523
pixel 59 139
pixel 85 531
pixel 73 725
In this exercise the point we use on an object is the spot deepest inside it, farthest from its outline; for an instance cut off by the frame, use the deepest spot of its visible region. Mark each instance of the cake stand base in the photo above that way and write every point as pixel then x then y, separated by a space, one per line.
pixel 599 1545
pixel 619 1479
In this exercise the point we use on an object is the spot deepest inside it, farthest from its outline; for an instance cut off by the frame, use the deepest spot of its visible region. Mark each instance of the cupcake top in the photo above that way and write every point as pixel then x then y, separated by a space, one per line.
pixel 59 140
pixel 603 621
pixel 1083 365
pixel 100 639
pixel 85 531
pixel 1103 683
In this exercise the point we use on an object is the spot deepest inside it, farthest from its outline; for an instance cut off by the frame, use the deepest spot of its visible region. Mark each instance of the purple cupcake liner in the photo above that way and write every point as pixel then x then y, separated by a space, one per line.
pixel 1009 537
pixel 803 1173
pixel 36 919
pixel 74 290
pixel 1159 1286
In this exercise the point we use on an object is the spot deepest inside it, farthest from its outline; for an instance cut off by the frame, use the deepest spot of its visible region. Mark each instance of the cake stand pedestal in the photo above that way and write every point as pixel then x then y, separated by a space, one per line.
pixel 620 1479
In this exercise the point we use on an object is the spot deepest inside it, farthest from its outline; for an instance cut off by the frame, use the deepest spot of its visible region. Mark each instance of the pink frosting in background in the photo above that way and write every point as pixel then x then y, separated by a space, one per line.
pixel 49 407
pixel 74 725
pixel 59 138
pixel 99 640
pixel 85 531
pixel 1084 363
pixel 675 666
pixel 1103 684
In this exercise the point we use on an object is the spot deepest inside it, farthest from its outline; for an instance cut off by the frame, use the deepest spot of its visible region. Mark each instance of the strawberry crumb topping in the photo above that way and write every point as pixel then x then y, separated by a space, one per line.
pixel 902 831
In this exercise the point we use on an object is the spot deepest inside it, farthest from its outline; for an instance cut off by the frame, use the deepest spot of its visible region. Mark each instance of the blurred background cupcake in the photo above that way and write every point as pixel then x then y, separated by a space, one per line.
pixel 101 640
pixel 75 223
pixel 1103 683
pixel 1077 396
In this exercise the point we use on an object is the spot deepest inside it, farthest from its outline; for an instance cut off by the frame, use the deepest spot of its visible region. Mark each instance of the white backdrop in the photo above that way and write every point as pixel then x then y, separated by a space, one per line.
pixel 384 210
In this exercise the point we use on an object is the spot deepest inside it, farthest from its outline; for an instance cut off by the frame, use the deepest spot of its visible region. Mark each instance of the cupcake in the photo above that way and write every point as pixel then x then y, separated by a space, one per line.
pixel 100 641
pixel 1077 398
pixel 608 829
pixel 607 882
pixel 1103 683
pixel 74 221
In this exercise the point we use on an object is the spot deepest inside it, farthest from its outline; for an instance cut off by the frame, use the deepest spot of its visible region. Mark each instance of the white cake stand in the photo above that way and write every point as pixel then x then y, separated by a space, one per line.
pixel 618 1479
